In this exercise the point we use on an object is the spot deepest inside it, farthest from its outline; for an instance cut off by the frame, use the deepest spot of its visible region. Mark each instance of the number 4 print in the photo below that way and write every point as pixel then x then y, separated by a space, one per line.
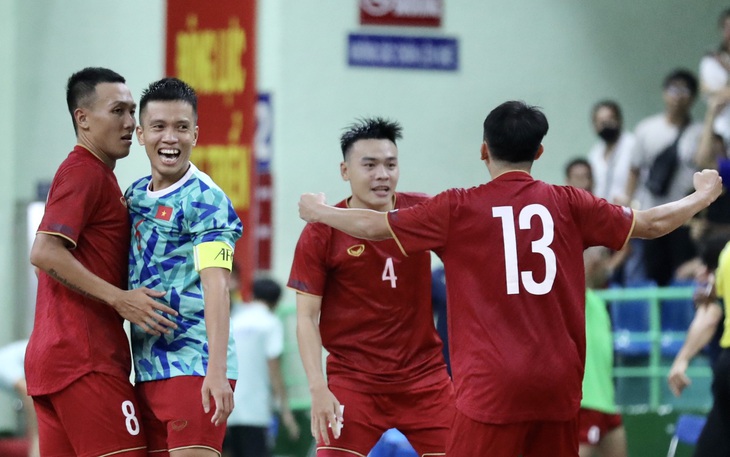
pixel 541 247
pixel 389 272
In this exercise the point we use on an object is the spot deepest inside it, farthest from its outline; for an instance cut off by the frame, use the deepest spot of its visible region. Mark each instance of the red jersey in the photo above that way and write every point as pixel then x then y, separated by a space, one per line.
pixel 72 334
pixel 513 255
pixel 376 320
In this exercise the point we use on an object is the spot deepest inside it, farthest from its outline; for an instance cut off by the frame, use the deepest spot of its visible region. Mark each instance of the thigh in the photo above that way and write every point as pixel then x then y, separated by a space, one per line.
pixel 552 439
pixel 175 409
pixel 425 416
pixel 52 437
pixel 100 416
pixel 362 425
pixel 469 438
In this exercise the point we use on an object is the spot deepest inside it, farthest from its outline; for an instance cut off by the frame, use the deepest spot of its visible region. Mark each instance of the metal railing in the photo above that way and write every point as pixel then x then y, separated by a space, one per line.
pixel 655 370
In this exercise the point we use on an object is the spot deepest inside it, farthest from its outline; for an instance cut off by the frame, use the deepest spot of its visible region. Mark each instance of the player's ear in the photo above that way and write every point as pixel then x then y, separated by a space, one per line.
pixel 81 119
pixel 195 135
pixel 540 150
pixel 484 151
pixel 140 135
pixel 343 171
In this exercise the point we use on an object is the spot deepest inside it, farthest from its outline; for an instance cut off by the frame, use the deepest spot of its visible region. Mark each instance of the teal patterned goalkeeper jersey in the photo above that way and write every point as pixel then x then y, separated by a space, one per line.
pixel 166 226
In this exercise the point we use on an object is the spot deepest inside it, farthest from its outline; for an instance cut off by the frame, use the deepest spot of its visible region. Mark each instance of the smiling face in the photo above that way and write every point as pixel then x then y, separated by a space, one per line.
pixel 168 132
pixel 106 123
pixel 371 167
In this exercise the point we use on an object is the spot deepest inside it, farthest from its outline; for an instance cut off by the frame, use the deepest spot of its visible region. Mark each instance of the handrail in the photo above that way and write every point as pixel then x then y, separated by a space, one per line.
pixel 654 371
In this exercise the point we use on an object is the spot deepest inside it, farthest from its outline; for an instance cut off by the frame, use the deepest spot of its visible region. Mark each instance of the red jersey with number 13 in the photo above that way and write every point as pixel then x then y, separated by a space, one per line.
pixel 376 319
pixel 513 256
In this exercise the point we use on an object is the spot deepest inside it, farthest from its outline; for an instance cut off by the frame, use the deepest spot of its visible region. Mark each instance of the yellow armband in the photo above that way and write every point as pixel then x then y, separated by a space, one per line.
pixel 213 254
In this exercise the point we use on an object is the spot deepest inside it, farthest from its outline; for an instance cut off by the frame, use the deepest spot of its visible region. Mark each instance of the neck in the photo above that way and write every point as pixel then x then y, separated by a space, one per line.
pixel 498 168
pixel 109 162
pixel 677 118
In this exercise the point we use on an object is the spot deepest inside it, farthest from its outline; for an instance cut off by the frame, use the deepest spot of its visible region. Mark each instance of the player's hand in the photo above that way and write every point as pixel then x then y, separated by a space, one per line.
pixel 326 414
pixel 708 182
pixel 677 378
pixel 290 423
pixel 220 389
pixel 139 307
pixel 308 204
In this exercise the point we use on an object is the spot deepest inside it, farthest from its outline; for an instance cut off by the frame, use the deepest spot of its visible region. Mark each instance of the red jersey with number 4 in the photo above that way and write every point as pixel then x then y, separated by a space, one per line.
pixel 513 255
pixel 73 334
pixel 376 319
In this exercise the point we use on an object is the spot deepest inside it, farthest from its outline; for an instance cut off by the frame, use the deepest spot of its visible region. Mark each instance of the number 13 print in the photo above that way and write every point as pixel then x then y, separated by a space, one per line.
pixel 541 247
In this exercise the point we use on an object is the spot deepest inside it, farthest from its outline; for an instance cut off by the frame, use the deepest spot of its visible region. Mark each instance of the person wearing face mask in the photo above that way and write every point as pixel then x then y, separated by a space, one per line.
pixel 610 157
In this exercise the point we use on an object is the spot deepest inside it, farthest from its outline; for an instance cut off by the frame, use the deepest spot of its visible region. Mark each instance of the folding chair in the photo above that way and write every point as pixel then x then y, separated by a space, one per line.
pixel 686 431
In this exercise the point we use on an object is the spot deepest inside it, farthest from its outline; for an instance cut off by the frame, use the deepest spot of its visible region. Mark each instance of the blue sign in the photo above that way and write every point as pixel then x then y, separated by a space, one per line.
pixel 263 148
pixel 386 51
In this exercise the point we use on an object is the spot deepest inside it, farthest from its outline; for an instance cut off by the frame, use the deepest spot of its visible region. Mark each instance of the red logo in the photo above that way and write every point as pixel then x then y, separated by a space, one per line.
pixel 178 425
pixel 164 213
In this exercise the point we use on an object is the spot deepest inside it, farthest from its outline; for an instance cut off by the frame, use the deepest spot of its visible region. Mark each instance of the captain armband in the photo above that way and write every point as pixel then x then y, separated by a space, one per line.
pixel 213 254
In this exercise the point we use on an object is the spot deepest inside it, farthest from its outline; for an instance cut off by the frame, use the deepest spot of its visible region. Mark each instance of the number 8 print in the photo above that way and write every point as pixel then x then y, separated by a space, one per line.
pixel 131 420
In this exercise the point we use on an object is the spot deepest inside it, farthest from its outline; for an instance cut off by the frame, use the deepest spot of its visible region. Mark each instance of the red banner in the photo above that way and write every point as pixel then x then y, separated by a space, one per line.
pixel 212 48
pixel 421 13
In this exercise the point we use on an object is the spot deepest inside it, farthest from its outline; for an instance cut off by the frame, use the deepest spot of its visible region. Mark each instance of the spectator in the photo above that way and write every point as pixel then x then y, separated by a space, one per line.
pixel 259 337
pixel 672 136
pixel 12 379
pixel 610 158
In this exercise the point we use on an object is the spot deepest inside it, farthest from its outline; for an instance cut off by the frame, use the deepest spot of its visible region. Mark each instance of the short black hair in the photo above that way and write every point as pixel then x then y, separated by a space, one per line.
pixel 81 87
pixel 710 249
pixel 514 131
pixel 579 161
pixel 267 290
pixel 169 90
pixel 370 128
pixel 684 75
pixel 610 104
pixel 724 14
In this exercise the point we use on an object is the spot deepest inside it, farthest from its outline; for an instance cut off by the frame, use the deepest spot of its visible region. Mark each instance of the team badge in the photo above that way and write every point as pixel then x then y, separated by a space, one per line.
pixel 356 250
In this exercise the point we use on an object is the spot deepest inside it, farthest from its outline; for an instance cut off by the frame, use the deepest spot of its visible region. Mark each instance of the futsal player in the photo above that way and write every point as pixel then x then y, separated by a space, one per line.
pixel 370 307
pixel 513 255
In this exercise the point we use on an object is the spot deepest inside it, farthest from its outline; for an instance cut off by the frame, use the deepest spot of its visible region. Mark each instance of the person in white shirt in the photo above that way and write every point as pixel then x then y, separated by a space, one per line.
pixel 259 338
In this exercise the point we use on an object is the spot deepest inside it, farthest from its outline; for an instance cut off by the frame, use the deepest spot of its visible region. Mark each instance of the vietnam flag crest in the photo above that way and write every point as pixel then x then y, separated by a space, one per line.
pixel 164 213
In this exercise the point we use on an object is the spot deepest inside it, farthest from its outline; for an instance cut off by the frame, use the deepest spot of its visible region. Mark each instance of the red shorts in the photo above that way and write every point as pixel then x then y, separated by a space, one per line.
pixel 423 415
pixel 173 417
pixel 594 425
pixel 470 438
pixel 95 415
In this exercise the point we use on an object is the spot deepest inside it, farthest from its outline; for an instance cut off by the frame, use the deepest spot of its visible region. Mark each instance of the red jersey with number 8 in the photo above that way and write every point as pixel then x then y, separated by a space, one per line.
pixel 513 256
pixel 376 319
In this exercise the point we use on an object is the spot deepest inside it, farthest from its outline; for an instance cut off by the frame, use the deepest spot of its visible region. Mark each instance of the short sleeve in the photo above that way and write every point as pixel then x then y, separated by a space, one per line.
pixel 275 339
pixel 11 361
pixel 422 227
pixel 211 217
pixel 309 271
pixel 712 74
pixel 73 198
pixel 601 223
pixel 722 274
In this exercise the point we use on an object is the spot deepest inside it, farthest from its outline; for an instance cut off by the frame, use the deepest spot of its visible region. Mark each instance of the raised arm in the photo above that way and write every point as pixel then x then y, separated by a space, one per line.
pixel 660 220
pixel 51 254
pixel 360 223
pixel 325 406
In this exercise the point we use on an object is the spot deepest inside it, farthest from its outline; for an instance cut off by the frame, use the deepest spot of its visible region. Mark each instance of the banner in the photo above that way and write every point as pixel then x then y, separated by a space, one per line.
pixel 212 48
pixel 418 13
